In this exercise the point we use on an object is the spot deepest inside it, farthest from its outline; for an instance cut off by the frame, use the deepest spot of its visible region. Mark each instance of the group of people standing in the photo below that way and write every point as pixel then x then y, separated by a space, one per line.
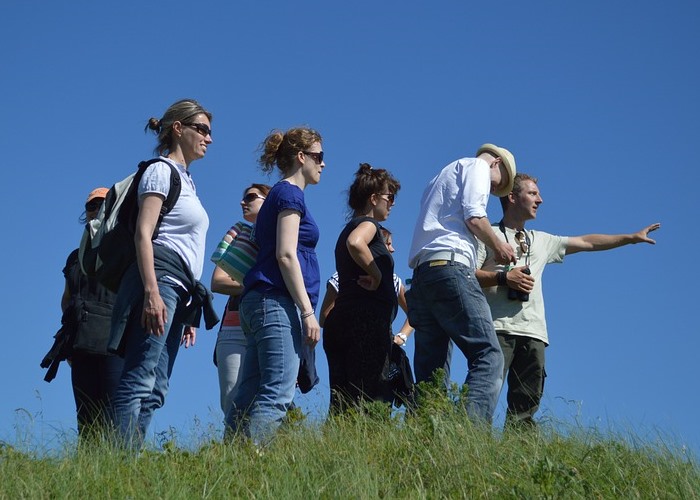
pixel 270 328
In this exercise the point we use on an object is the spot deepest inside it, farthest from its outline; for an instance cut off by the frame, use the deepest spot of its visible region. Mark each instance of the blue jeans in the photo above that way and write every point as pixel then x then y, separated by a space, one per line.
pixel 148 364
pixel 273 330
pixel 446 303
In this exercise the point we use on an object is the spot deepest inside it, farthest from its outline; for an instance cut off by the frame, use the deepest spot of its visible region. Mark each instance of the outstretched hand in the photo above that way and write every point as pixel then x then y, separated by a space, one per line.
pixel 642 236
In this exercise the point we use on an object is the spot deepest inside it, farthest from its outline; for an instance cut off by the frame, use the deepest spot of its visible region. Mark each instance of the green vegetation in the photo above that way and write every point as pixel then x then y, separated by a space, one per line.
pixel 433 453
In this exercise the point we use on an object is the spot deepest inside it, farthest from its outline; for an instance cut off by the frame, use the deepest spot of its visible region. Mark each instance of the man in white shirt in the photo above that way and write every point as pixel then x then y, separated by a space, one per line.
pixel 515 296
pixel 445 301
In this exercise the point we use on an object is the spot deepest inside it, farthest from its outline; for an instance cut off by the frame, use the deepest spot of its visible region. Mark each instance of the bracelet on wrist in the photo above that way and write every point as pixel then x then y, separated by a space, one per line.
pixel 501 278
pixel 403 337
pixel 307 314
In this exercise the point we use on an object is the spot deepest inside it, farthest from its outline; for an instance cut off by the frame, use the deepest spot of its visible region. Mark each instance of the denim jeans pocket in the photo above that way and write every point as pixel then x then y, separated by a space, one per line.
pixel 268 310
pixel 278 311
pixel 445 286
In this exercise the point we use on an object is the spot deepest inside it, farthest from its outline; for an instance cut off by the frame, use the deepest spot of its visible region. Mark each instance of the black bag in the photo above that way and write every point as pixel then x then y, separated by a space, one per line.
pixel 397 377
pixel 93 326
pixel 86 321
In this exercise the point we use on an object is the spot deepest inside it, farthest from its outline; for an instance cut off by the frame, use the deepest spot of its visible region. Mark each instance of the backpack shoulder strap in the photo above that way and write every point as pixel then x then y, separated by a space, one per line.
pixel 174 192
pixel 128 210
pixel 175 182
pixel 140 171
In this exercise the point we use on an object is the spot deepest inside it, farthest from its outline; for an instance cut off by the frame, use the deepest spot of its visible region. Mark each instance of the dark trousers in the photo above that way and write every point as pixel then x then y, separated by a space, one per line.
pixel 357 340
pixel 95 378
pixel 525 373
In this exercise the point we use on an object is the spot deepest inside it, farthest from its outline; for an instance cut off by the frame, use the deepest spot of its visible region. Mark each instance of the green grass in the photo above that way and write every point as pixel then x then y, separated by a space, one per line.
pixel 434 453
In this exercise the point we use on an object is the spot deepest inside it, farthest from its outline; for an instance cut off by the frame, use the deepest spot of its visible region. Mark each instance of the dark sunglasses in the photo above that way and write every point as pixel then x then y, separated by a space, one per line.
pixel 523 240
pixel 93 205
pixel 318 157
pixel 251 197
pixel 389 196
pixel 199 127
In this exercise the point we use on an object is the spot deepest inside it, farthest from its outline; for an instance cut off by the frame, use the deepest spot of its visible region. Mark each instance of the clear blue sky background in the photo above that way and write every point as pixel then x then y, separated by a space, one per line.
pixel 598 99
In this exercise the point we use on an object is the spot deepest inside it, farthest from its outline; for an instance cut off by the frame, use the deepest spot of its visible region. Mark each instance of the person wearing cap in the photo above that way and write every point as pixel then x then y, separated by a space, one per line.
pixel 94 375
pixel 94 203
pixel 515 296
pixel 445 302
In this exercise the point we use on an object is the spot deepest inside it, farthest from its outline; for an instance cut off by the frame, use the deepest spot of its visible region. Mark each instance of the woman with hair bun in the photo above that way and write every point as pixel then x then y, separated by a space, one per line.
pixel 357 332
pixel 281 290
pixel 153 316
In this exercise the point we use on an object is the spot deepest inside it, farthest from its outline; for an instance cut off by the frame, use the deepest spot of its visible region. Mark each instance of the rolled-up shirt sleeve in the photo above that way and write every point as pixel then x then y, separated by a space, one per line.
pixel 477 186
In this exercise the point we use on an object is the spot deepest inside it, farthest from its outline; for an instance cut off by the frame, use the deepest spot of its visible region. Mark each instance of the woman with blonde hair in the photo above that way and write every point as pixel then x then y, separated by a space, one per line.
pixel 154 309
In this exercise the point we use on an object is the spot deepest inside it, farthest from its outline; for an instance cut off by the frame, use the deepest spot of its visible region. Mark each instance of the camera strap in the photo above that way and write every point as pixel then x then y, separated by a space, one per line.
pixel 528 242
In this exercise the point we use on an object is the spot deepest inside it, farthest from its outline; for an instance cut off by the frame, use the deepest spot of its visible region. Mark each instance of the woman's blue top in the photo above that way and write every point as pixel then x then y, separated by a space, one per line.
pixel 265 275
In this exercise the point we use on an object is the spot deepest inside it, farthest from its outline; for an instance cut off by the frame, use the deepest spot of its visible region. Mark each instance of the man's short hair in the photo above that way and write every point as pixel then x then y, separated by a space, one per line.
pixel 519 178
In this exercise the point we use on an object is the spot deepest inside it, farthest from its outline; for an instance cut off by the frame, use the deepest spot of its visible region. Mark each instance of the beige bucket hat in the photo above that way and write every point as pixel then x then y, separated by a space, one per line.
pixel 508 161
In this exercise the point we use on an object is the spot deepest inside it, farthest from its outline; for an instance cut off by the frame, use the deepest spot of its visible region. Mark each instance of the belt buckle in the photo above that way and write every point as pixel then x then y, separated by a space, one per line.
pixel 434 263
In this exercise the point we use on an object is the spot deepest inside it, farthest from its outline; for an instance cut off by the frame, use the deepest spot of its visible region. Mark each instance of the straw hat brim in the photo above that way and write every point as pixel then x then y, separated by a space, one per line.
pixel 508 161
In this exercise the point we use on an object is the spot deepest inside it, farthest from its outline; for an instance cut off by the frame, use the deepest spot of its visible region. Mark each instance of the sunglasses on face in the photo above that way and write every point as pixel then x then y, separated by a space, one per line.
pixel 251 197
pixel 199 127
pixel 523 241
pixel 389 196
pixel 91 206
pixel 318 157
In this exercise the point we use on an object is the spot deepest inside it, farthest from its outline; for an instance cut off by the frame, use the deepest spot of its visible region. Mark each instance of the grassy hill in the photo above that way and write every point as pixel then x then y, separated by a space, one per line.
pixel 433 453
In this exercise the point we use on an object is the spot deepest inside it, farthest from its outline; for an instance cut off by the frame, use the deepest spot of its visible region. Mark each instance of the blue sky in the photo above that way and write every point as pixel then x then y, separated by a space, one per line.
pixel 598 99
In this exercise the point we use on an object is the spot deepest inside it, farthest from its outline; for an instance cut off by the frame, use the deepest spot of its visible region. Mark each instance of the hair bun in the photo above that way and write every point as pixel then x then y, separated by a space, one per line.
pixel 365 168
pixel 154 124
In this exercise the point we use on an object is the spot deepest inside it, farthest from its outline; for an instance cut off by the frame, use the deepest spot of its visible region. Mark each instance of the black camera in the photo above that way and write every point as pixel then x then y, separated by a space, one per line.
pixel 514 294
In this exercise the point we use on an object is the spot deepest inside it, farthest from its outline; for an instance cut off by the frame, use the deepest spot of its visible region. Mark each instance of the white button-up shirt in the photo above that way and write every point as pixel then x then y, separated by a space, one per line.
pixel 458 193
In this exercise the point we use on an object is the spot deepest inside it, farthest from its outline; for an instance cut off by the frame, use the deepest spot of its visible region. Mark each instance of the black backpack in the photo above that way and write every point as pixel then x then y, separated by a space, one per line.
pixel 107 248
pixel 86 321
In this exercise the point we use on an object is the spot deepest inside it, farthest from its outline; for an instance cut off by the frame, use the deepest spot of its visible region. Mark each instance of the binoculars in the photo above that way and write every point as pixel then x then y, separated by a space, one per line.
pixel 517 294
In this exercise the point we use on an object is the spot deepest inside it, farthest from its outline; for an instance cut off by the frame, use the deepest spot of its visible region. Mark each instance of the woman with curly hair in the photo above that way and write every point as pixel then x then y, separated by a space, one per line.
pixel 281 289
pixel 357 332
